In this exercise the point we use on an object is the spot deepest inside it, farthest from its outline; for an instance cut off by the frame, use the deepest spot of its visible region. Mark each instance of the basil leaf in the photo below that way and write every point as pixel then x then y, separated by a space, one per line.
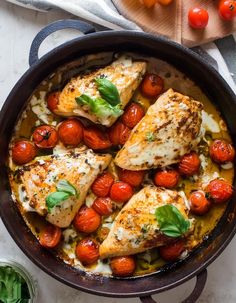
pixel 55 198
pixel 66 186
pixel 172 223
pixel 108 91
pixel 100 107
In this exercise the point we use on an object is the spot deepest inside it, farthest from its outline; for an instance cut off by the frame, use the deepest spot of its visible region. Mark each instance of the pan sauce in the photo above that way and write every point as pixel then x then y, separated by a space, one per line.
pixel 37 113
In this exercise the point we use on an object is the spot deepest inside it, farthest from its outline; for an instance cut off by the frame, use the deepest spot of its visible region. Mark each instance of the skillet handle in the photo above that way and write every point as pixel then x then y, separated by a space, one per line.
pixel 82 26
pixel 192 298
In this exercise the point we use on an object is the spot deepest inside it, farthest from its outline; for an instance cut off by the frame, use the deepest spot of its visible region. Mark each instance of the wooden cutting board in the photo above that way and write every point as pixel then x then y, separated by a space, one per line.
pixel 172 21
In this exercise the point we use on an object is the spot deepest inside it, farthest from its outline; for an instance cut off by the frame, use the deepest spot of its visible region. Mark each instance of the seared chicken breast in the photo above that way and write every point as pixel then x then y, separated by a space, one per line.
pixel 136 228
pixel 170 129
pixel 125 75
pixel 39 179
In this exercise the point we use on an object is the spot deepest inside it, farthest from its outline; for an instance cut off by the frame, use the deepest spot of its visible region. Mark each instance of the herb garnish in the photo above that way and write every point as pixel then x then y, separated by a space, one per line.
pixel 64 190
pixel 108 91
pixel 150 136
pixel 172 223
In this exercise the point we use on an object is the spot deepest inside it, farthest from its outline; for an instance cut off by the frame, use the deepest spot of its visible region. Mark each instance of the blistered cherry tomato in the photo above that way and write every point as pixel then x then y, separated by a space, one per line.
pixel 122 266
pixel 152 85
pixel 219 191
pixel 149 3
pixel 172 251
pixel 87 251
pixel 227 9
pixel 50 236
pixel 133 178
pixel 103 206
pixel 102 185
pixel 95 138
pixel 70 132
pixel 45 136
pixel 189 164
pixel 199 205
pixel 87 220
pixel 119 133
pixel 121 192
pixel 132 115
pixel 222 151
pixel 198 18
pixel 53 100
pixel 166 178
pixel 23 152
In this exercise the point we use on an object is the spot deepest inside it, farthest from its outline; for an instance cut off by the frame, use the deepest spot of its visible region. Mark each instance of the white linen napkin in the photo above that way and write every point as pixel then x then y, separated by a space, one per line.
pixel 104 13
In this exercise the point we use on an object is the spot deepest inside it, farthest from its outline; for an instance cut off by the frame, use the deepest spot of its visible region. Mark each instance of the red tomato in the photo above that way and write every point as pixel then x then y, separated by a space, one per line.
pixel 121 192
pixel 189 164
pixel 119 133
pixel 103 206
pixel 172 251
pixel 23 152
pixel 227 9
pixel 87 251
pixel 123 266
pixel 133 178
pixel 45 136
pixel 166 178
pixel 87 220
pixel 198 17
pixel 199 204
pixel 70 132
pixel 152 85
pixel 219 191
pixel 95 138
pixel 102 185
pixel 132 115
pixel 222 151
pixel 50 236
pixel 53 100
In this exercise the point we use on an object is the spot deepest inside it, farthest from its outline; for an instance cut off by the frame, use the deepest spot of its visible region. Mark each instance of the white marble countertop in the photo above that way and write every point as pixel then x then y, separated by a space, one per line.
pixel 18 27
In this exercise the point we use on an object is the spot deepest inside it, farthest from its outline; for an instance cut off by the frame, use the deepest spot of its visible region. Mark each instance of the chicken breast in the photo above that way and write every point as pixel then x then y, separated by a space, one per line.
pixel 40 179
pixel 135 228
pixel 170 129
pixel 124 74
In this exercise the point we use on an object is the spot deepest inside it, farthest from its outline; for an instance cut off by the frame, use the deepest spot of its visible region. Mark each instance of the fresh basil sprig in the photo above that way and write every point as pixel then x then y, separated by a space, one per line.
pixel 64 190
pixel 172 223
pixel 108 91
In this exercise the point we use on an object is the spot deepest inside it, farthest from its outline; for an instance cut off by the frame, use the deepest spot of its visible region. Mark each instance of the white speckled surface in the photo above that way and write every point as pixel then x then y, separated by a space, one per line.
pixel 18 27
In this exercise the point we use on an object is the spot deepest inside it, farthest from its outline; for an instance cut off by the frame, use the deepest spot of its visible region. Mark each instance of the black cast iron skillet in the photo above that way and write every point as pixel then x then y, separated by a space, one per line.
pixel 182 58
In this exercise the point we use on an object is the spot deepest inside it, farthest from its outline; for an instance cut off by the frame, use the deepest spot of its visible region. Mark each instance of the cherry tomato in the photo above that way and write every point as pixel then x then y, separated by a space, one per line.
pixel 149 3
pixel 87 220
pixel 133 178
pixel 45 136
pixel 102 185
pixel 121 192
pixel 123 266
pixel 50 236
pixel 133 114
pixel 70 132
pixel 166 178
pixel 199 204
pixel 219 191
pixel 222 151
pixel 165 2
pixel 23 152
pixel 53 100
pixel 103 206
pixel 95 138
pixel 119 133
pixel 87 251
pixel 189 164
pixel 227 9
pixel 198 18
pixel 172 251
pixel 152 85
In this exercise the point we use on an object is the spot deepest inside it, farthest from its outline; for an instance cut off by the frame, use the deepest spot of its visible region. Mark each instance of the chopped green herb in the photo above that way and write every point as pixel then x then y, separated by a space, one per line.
pixel 108 91
pixel 172 223
pixel 66 186
pixel 150 137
